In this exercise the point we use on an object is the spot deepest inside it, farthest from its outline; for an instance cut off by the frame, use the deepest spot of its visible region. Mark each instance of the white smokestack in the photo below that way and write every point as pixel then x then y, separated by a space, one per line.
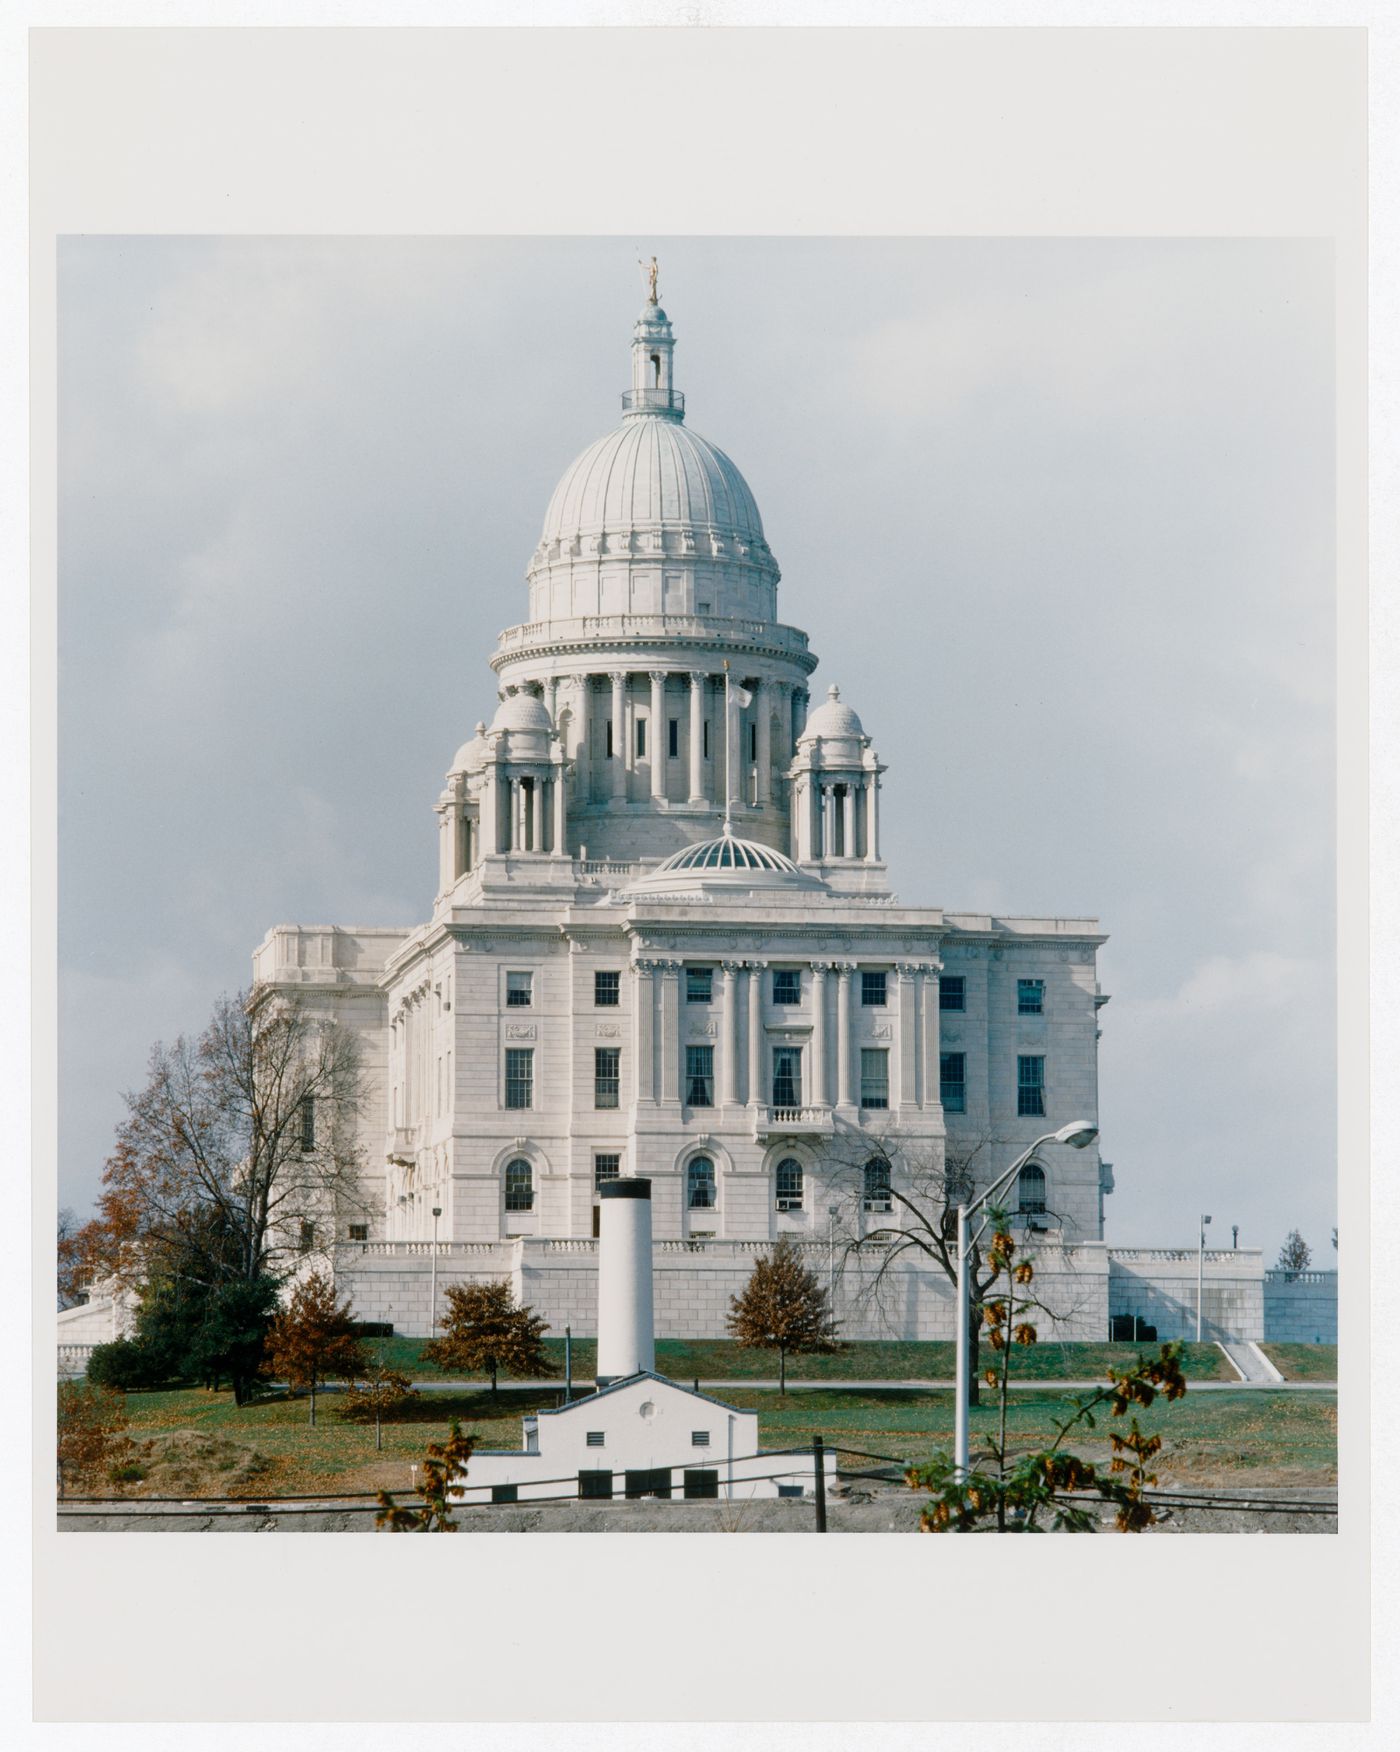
pixel 625 1340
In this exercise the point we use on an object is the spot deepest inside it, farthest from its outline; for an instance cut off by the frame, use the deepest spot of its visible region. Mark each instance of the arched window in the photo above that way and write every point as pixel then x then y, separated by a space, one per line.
pixel 520 1186
pixel 700 1184
pixel 877 1186
pixel 788 1185
pixel 1031 1189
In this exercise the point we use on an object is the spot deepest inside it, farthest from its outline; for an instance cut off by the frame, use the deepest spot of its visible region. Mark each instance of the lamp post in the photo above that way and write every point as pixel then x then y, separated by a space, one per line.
pixel 437 1212
pixel 1076 1134
pixel 1200 1275
pixel 831 1211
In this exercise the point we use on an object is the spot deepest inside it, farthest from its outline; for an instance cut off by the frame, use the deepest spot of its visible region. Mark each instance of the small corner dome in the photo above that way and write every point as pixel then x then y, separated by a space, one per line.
pixel 522 711
pixel 471 756
pixel 832 719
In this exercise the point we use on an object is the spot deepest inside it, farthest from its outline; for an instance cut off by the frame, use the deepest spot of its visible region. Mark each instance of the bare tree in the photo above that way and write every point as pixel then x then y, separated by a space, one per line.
pixel 239 1155
pixel 897 1198
pixel 70 1291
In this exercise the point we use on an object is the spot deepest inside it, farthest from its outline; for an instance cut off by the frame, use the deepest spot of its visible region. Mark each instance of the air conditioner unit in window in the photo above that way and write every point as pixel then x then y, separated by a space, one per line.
pixel 789 1204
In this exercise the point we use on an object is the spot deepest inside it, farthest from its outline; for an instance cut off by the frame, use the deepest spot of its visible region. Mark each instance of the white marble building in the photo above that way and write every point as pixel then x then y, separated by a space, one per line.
pixel 664 940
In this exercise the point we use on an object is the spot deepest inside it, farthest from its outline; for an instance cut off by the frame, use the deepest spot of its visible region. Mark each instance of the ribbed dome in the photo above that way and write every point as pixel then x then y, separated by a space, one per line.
pixel 522 711
pixel 728 853
pixel 726 863
pixel 832 719
pixel 471 756
pixel 651 471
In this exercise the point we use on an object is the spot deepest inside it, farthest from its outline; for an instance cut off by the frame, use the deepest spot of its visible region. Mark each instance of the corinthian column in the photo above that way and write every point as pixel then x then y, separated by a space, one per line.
pixel 764 715
pixel 820 1095
pixel 697 737
pixel 658 733
pixel 844 1051
pixel 729 1049
pixel 910 977
pixel 619 733
pixel 643 1031
pixel 670 1046
pixel 755 1089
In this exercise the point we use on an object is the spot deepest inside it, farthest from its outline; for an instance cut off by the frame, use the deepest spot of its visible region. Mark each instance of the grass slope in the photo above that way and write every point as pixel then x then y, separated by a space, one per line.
pixel 1244 1438
pixel 720 1359
pixel 1303 1362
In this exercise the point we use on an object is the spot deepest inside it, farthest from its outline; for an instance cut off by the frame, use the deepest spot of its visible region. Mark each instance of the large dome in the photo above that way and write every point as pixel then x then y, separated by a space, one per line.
pixel 652 472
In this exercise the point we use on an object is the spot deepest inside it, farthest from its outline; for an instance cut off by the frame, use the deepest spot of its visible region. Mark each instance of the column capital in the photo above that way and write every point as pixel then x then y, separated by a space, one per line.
pixel 647 964
pixel 844 969
pixel 670 969
pixel 909 969
pixel 731 968
pixel 756 966
pixel 658 675
pixel 821 968
pixel 618 677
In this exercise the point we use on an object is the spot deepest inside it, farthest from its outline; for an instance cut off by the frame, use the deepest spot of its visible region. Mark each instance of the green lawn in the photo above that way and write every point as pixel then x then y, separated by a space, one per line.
pixel 1303 1362
pixel 1239 1438
pixel 718 1359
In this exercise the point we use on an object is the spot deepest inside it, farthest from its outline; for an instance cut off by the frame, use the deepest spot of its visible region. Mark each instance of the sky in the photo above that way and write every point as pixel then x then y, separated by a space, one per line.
pixel 1057 515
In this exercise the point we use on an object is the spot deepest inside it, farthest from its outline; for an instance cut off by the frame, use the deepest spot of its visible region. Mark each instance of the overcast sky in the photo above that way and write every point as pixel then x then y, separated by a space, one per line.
pixel 1058 516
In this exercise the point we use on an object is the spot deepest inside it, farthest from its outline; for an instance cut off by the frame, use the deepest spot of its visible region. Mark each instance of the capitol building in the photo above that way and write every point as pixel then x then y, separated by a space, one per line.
pixel 665 943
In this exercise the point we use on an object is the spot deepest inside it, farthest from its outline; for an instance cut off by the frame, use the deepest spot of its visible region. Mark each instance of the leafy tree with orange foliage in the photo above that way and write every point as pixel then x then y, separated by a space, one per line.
pixel 383 1392
pixel 483 1328
pixel 312 1339
pixel 783 1307
pixel 443 1471
pixel 92 1436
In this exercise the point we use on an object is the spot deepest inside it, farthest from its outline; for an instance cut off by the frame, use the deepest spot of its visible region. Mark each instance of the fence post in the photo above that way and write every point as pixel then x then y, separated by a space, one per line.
pixel 819 1463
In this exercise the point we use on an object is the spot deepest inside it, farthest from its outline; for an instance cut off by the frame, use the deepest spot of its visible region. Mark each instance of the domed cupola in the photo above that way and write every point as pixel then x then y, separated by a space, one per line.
pixel 652 518
pixel 835 782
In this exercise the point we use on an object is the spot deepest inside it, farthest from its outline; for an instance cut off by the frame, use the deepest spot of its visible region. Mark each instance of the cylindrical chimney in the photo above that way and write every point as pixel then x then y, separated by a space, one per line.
pixel 625 1340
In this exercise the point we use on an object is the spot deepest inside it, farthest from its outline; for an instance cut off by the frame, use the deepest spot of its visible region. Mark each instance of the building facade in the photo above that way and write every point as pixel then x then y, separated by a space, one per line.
pixel 664 940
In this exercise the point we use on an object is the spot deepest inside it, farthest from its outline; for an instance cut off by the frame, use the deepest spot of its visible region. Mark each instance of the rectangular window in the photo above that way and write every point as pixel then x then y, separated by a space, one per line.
pixel 641 738
pixel 652 1481
pixel 1030 1087
pixel 789 1490
pixel 952 1081
pixel 699 985
pixel 595 1486
pixel 787 1184
pixel 673 738
pixel 607 988
pixel 520 1076
pixel 787 985
pixel 594 1438
pixel 753 741
pixel 607 1075
pixel 701 1481
pixel 952 992
pixel 1030 997
pixel 359 1231
pixel 700 1076
pixel 505 1493
pixel 699 1438
pixel 607 736
pixel 872 988
pixel 519 990
pixel 606 1167
pixel 874 1077
pixel 705 739
pixel 307 1238
pixel 306 1113
pixel 787 1076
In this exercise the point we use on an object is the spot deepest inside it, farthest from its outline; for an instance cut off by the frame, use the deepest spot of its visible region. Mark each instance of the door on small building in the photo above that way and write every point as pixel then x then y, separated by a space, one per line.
pixel 651 1482
pixel 701 1481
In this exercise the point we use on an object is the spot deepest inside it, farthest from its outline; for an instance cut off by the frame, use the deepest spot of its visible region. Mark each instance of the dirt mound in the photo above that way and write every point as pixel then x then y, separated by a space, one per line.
pixel 194 1463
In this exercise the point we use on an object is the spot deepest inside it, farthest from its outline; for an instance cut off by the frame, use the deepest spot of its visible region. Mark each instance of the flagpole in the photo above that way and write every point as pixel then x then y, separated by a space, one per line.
pixel 728 738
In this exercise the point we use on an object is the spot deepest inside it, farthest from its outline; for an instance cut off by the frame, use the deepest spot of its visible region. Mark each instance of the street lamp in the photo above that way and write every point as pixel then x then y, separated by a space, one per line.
pixel 1200 1275
pixel 1076 1134
pixel 437 1212
pixel 831 1211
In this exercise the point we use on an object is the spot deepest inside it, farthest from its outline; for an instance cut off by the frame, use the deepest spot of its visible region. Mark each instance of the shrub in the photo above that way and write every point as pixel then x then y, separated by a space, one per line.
pixel 125 1364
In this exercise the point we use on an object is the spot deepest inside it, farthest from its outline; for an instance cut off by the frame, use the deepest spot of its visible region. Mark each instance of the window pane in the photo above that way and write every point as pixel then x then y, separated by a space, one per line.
pixel 520 1186
pixel 699 985
pixel 877 1186
pixel 520 1076
pixel 607 988
pixel 788 1185
pixel 641 738
pixel 701 1481
pixel 607 1075
pixel 505 1493
pixel 700 1182
pixel 787 1076
pixel 673 738
pixel 952 992
pixel 1030 1087
pixel 874 1077
pixel 872 987
pixel 787 985
pixel 1031 1187
pixel 518 986
pixel 606 1167
pixel 595 1484
pixel 952 1080
pixel 1030 997
pixel 700 1076
pixel 308 1122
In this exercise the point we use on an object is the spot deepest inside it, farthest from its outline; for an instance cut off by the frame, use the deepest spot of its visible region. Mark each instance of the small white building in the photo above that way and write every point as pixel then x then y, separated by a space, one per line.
pixel 641 1437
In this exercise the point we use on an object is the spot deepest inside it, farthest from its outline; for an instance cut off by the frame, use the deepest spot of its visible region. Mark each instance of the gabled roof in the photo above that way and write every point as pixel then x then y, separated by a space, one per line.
pixel 631 1381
